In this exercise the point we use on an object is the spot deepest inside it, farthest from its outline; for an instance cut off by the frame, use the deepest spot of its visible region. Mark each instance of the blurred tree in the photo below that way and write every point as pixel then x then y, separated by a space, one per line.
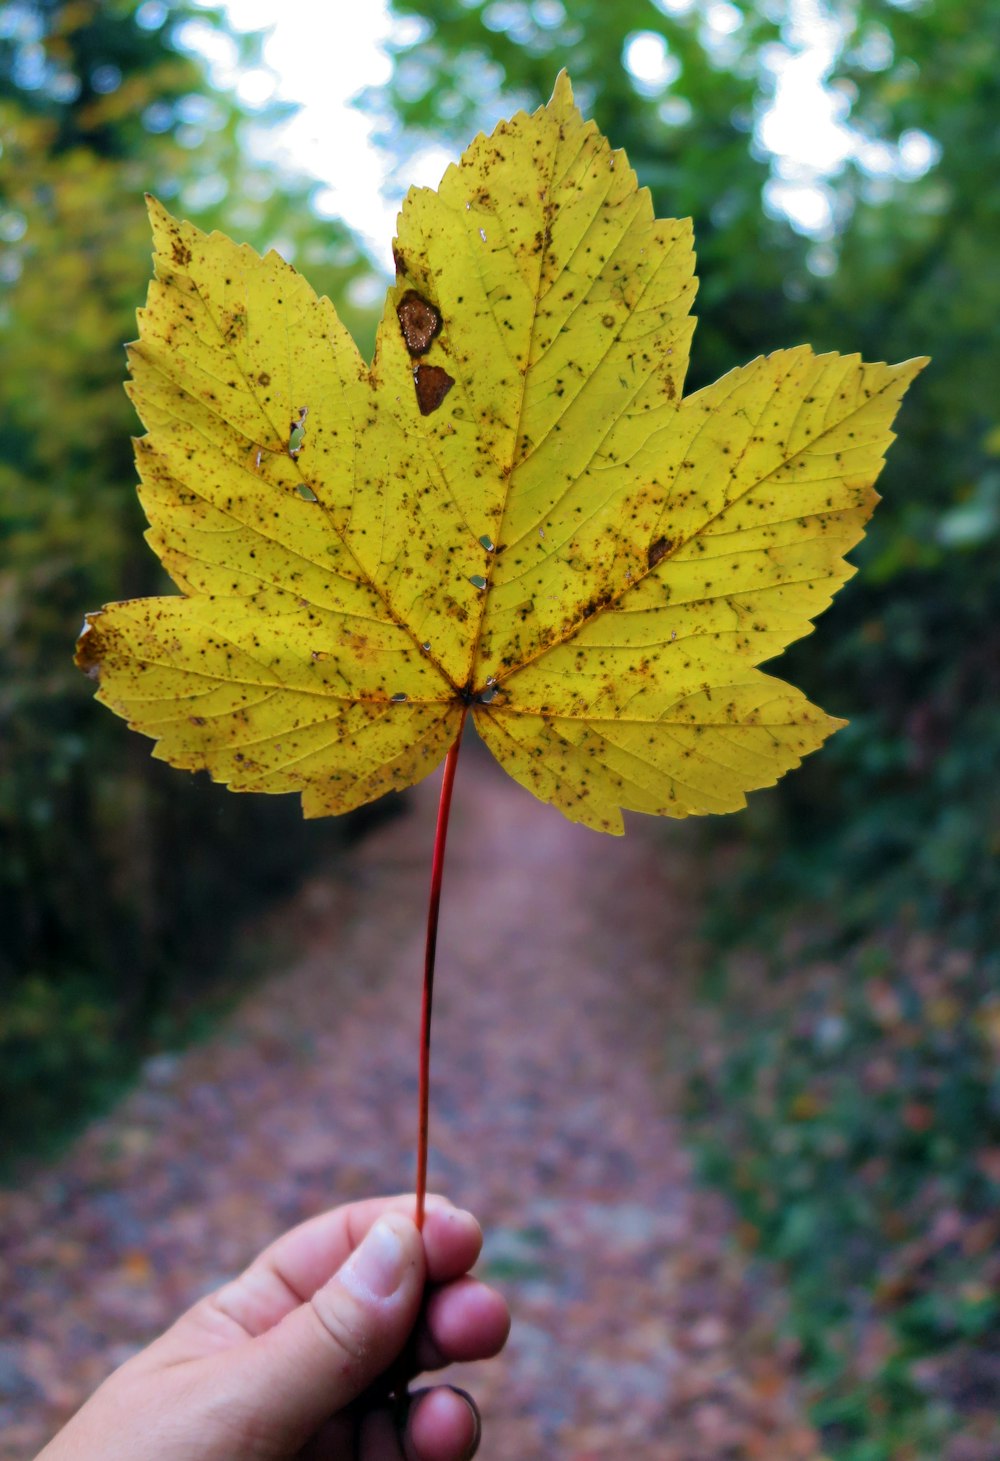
pixel 899 815
pixel 111 876
pixel 920 211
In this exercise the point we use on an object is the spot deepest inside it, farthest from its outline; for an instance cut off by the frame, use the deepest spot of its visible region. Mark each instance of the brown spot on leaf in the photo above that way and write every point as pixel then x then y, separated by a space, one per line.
pixel 196 719
pixel 399 260
pixel 432 384
pixel 419 321
pixel 658 549
pixel 669 389
pixel 235 323
pixel 181 253
pixel 263 379
pixel 89 648
pixel 596 604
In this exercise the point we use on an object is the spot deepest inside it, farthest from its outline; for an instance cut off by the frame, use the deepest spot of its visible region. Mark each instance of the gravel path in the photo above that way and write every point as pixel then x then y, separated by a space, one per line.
pixel 638 1331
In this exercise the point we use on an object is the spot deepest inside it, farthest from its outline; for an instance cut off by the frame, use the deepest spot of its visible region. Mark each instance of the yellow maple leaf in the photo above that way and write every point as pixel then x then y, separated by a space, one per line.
pixel 513 511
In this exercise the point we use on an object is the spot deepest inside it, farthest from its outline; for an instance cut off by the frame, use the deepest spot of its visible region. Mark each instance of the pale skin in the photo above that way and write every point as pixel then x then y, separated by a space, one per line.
pixel 295 1359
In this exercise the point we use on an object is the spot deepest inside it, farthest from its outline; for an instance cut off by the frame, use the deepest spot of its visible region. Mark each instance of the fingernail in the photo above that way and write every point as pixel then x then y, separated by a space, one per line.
pixel 477 1434
pixel 377 1266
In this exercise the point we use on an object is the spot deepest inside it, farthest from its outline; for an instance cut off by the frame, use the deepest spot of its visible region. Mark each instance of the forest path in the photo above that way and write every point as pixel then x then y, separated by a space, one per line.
pixel 638 1330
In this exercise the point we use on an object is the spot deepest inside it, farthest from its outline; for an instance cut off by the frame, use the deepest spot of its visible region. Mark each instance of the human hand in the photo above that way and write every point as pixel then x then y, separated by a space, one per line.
pixel 297 1357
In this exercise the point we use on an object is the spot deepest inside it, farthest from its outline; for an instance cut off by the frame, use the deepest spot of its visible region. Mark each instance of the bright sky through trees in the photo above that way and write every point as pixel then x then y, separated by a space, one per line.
pixel 323 64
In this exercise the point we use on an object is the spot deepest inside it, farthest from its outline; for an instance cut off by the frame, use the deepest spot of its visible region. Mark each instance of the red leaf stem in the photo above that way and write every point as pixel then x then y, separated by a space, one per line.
pixel 434 903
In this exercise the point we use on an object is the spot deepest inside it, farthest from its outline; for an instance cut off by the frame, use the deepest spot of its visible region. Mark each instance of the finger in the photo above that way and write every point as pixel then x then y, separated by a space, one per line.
pixel 443 1425
pixel 378 1438
pixel 453 1241
pixel 325 1353
pixel 288 1272
pixel 463 1320
pixel 335 1439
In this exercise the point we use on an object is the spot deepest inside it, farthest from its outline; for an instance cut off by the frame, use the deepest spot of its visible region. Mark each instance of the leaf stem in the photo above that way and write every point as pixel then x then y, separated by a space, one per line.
pixel 434 903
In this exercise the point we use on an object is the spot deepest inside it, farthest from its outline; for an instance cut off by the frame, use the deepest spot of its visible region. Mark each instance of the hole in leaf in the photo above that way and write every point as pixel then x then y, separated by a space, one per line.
pixel 297 432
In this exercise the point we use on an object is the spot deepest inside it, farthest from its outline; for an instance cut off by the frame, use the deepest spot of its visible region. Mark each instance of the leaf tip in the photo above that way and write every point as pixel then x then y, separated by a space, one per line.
pixel 562 92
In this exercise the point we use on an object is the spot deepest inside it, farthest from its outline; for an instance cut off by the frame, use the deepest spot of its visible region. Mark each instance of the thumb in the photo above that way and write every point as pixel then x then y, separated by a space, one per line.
pixel 325 1353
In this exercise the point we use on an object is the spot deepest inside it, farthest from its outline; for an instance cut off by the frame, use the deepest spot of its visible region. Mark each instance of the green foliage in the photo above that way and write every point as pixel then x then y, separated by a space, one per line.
pixel 854 1114
pixel 100 911
pixel 910 809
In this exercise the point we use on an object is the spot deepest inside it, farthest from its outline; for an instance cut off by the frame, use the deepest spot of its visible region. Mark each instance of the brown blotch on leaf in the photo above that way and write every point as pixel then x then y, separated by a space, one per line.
pixel 399 260
pixel 432 384
pixel 89 649
pixel 181 253
pixel 419 321
pixel 595 605
pixel 658 549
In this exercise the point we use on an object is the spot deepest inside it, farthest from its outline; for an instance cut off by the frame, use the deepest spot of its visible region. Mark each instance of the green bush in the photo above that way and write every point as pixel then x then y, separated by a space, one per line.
pixel 852 1109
